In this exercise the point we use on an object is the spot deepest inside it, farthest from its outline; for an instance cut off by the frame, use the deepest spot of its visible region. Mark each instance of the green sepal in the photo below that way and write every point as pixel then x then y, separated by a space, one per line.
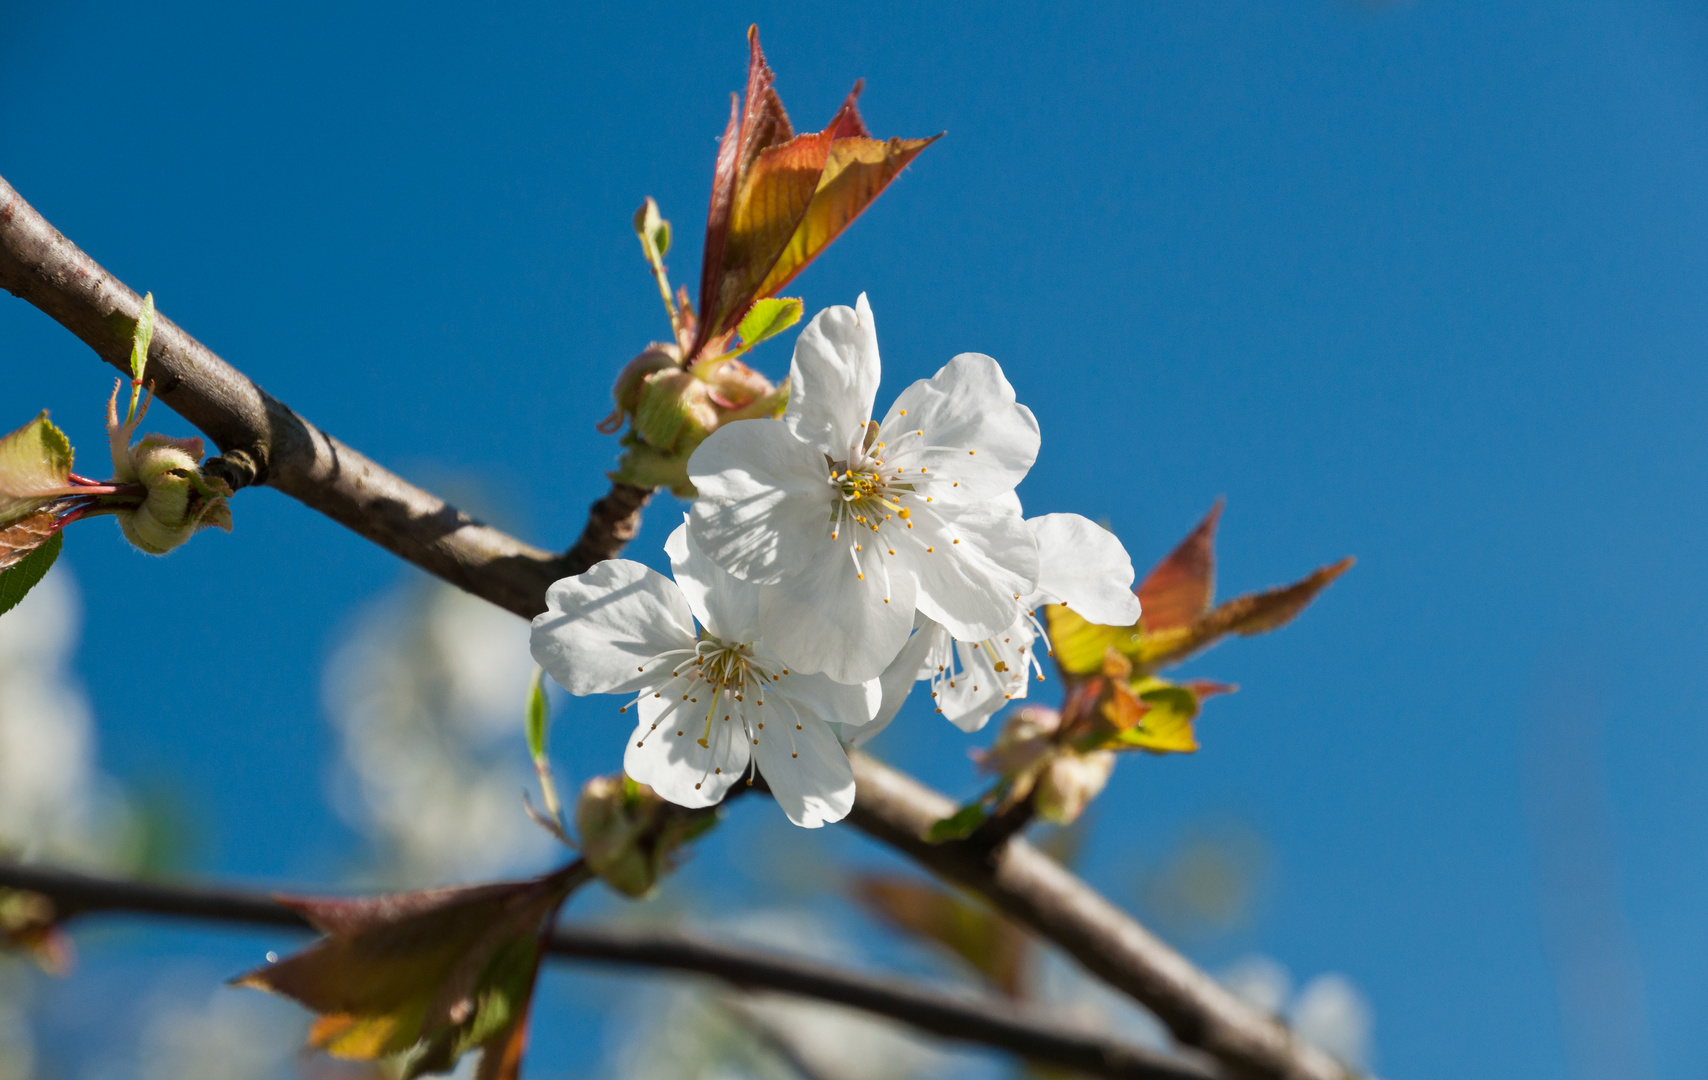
pixel 768 318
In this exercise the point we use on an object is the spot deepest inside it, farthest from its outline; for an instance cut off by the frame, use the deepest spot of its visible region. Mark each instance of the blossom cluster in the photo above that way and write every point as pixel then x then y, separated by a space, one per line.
pixel 829 562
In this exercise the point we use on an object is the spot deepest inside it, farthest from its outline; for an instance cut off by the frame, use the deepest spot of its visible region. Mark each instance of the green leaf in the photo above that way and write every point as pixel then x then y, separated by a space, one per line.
pixel 35 466
pixel 539 718
pixel 140 340
pixel 959 825
pixel 768 318
pixel 27 572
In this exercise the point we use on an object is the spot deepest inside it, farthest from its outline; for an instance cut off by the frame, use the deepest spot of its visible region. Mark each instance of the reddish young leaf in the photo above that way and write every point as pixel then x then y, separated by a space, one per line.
pixel 856 173
pixel 771 198
pixel 778 199
pixel 1205 688
pixel 1247 616
pixel 1177 592
pixel 423 977
pixel 756 123
pixel 1259 613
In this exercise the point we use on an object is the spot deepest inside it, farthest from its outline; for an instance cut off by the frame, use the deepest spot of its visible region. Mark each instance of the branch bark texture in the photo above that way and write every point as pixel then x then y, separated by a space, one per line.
pixel 261 440
pixel 1038 892
pixel 941 1011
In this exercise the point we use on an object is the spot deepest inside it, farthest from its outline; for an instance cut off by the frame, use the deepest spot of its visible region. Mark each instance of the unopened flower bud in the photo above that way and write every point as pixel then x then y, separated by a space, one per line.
pixel 676 412
pixel 178 499
pixel 1027 737
pixel 656 358
pixel 674 409
pixel 629 836
pixel 733 384
pixel 1069 782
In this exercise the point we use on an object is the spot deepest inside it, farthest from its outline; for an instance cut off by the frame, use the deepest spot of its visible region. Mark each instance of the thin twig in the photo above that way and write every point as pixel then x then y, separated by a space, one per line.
pixel 261 437
pixel 945 1011
pixel 263 441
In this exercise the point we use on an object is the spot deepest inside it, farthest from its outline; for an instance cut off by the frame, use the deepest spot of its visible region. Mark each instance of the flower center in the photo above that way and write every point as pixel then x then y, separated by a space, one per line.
pixel 727 667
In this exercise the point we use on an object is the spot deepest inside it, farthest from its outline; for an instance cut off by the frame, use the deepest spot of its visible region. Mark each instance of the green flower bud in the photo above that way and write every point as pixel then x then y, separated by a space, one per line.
pixel 629 836
pixel 733 384
pixel 178 500
pixel 672 409
pixel 657 357
pixel 676 412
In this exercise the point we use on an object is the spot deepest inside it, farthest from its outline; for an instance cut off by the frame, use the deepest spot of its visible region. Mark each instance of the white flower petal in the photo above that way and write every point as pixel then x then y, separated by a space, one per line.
pixel 725 605
pixel 977 442
pixel 982 559
pixel 807 771
pixel 898 679
pixel 676 765
pixel 601 628
pixel 834 379
pixel 765 497
pixel 836 703
pixel 827 619
pixel 1081 564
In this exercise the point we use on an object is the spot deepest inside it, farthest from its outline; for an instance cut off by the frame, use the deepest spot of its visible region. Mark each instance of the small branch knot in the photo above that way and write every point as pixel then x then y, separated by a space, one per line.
pixel 611 523
pixel 240 467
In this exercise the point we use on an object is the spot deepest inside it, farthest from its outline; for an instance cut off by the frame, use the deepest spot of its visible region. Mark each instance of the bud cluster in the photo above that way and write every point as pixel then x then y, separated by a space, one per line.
pixel 178 499
pixel 630 836
pixel 671 408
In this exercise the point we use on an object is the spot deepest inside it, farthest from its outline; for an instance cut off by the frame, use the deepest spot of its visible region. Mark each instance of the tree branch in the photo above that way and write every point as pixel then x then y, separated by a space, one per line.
pixel 264 439
pixel 1038 892
pixel 261 440
pixel 942 1011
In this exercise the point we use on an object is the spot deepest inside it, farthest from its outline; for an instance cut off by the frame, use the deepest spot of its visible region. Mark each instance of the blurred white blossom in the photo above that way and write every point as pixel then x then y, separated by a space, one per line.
pixel 225 1036
pixel 17 1039
pixel 1262 982
pixel 426 692
pixel 1329 1011
pixel 55 804
pixel 692 1032
pixel 1332 1014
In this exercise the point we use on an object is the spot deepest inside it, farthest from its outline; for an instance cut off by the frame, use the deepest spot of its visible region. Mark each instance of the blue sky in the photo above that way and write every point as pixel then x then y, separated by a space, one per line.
pixel 1422 283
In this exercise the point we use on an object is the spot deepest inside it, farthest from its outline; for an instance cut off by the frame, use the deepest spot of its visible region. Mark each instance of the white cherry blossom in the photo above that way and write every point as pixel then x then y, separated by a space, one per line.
pixel 850 526
pixel 712 705
pixel 1081 565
